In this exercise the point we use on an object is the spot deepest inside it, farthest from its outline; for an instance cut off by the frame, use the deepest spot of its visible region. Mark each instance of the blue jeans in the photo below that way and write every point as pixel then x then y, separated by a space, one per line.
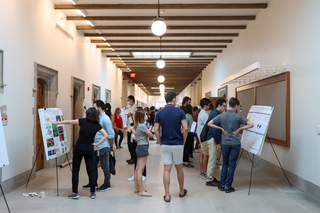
pixel 103 156
pixel 230 156
pixel 118 133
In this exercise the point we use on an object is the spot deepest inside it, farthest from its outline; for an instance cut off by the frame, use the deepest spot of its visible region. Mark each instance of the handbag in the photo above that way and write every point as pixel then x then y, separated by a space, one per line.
pixel 112 163
pixel 193 129
pixel 204 132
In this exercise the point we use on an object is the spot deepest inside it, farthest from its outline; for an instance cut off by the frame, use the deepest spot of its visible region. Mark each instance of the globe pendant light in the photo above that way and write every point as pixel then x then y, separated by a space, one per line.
pixel 161 78
pixel 158 26
pixel 160 62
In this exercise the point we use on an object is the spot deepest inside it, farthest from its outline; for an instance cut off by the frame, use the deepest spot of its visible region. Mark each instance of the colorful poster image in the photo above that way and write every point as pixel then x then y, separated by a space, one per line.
pixel 54 136
pixel 253 139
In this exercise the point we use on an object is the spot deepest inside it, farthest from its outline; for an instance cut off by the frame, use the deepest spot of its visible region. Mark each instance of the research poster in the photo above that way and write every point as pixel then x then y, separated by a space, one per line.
pixel 4 160
pixel 253 139
pixel 54 136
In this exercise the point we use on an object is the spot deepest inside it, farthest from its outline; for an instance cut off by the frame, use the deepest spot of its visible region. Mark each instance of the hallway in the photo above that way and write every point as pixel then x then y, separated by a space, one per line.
pixel 268 194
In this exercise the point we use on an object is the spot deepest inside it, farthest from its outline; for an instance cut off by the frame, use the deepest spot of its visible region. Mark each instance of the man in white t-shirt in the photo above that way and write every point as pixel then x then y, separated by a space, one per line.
pixel 202 120
pixel 130 116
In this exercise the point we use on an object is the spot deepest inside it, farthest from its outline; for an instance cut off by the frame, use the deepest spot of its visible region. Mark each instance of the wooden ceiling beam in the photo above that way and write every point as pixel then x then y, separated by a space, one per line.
pixel 192 58
pixel 166 18
pixel 162 46
pixel 173 50
pixel 163 6
pixel 155 60
pixel 198 27
pixel 163 41
pixel 165 35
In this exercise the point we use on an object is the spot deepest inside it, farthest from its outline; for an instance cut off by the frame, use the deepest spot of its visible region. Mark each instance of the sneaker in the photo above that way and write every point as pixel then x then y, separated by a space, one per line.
pixel 231 189
pixel 104 188
pixel 221 188
pixel 214 183
pixel 93 195
pixel 88 186
pixel 144 178
pixel 203 176
pixel 120 147
pixel 74 196
pixel 128 160
pixel 131 178
pixel 132 161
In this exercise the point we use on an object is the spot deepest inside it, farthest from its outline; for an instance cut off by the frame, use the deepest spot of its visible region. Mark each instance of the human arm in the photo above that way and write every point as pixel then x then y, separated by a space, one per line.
pixel 211 124
pixel 105 136
pixel 156 132
pixel 148 133
pixel 248 125
pixel 184 125
pixel 76 121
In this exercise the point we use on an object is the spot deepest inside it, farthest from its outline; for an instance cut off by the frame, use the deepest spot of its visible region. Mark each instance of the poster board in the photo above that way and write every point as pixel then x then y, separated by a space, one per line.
pixel 4 160
pixel 252 139
pixel 54 137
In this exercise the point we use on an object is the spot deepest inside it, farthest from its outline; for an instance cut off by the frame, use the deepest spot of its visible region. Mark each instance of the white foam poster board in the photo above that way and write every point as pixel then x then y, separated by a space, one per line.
pixel 253 139
pixel 4 160
pixel 54 137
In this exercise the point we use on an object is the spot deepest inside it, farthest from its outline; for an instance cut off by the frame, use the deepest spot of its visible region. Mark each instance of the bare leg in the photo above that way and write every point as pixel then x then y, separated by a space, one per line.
pixel 180 176
pixel 205 163
pixel 166 179
pixel 201 162
pixel 136 180
pixel 141 163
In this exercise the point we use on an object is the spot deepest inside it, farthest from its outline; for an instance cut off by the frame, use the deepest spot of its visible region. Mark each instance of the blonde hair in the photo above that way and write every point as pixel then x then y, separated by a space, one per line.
pixel 138 118
pixel 118 108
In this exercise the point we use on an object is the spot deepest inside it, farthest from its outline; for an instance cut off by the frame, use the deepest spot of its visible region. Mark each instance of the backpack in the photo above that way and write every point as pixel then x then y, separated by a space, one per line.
pixel 204 132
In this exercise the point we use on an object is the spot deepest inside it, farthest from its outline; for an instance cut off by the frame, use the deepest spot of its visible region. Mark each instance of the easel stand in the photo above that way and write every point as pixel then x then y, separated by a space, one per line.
pixel 4 196
pixel 278 162
pixel 34 163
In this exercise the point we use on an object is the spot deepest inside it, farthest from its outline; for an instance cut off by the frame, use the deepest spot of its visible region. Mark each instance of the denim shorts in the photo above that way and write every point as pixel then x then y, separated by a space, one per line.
pixel 142 151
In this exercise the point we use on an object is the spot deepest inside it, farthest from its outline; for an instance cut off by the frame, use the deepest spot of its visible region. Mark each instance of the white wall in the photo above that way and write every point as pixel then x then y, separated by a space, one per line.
pixel 28 35
pixel 153 98
pixel 287 31
pixel 139 95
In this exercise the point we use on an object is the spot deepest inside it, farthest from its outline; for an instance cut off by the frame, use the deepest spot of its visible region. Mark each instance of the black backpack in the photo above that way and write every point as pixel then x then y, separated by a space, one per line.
pixel 204 132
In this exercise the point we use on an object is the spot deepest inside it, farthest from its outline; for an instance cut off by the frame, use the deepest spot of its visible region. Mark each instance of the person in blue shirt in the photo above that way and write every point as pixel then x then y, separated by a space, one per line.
pixel 213 141
pixel 171 119
pixel 102 152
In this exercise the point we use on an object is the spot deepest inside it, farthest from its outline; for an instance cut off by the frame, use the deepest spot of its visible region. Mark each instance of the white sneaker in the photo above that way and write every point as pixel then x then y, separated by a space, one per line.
pixel 144 178
pixel 131 179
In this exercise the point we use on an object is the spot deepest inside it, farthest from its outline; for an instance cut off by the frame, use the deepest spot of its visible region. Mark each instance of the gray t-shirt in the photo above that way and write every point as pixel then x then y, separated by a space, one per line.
pixel 141 136
pixel 230 121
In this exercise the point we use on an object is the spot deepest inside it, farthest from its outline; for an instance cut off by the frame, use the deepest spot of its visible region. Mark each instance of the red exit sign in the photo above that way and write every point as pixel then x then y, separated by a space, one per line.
pixel 132 75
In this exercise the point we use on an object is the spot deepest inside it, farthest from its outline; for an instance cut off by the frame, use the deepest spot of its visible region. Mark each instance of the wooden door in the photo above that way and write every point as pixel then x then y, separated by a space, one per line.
pixel 214 100
pixel 40 104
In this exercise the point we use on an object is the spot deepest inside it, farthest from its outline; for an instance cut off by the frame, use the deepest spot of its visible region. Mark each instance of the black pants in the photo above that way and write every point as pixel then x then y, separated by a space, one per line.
pixel 118 133
pixel 187 150
pixel 130 147
pixel 135 163
pixel 86 151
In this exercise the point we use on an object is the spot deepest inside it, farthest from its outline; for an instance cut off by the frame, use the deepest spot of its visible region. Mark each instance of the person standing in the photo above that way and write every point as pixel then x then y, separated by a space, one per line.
pixel 230 126
pixel 186 101
pixel 202 120
pixel 213 141
pixel 151 121
pixel 102 152
pixel 118 127
pixel 188 145
pixel 108 112
pixel 172 141
pixel 131 102
pixel 89 126
pixel 141 133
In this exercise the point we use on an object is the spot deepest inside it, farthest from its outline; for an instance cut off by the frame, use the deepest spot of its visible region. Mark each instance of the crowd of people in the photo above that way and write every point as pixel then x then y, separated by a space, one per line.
pixel 179 131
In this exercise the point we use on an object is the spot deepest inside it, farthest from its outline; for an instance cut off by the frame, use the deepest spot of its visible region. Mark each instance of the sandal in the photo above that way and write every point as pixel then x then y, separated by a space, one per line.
pixel 145 194
pixel 164 197
pixel 184 193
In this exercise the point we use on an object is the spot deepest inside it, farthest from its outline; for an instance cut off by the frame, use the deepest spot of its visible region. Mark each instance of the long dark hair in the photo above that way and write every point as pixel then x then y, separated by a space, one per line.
pixel 108 109
pixel 188 110
pixel 92 115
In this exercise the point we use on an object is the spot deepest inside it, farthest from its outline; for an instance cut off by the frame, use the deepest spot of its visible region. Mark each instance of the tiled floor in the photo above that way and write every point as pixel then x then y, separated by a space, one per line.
pixel 268 194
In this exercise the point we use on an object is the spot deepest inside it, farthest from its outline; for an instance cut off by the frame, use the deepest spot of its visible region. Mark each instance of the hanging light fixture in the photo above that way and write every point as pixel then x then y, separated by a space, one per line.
pixel 162 88
pixel 158 26
pixel 160 62
pixel 161 79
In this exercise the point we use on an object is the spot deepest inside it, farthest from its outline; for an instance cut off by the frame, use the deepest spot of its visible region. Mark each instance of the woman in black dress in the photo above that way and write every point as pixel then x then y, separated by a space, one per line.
pixel 89 126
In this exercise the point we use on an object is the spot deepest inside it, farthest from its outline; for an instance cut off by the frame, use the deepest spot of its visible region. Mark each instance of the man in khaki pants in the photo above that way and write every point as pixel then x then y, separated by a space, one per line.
pixel 213 143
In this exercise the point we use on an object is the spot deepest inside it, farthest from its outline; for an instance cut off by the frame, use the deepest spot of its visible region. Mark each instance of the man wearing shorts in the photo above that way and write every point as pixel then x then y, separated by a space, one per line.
pixel 171 119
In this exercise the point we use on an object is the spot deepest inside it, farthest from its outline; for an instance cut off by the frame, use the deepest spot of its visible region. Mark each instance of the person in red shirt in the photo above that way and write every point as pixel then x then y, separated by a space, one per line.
pixel 118 127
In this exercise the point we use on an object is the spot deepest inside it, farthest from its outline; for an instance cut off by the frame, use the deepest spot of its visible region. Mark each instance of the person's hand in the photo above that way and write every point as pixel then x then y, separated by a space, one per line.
pixel 225 132
pixel 218 147
pixel 54 123
pixel 236 132
pixel 94 144
pixel 122 130
pixel 133 131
